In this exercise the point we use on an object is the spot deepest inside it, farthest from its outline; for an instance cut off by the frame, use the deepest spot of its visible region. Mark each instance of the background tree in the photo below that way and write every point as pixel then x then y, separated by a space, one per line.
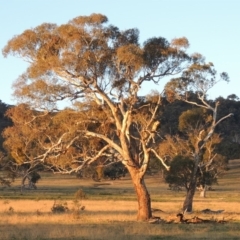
pixel 4 121
pixel 178 152
pixel 180 172
pixel 6 168
pixel 199 77
pixel 23 141
pixel 229 130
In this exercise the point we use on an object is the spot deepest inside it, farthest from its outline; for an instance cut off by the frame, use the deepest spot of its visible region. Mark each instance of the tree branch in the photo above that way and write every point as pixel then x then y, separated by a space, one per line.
pixel 106 139
pixel 161 160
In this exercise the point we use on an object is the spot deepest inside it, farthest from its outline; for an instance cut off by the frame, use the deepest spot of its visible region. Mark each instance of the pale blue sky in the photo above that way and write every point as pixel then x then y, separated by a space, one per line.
pixel 211 26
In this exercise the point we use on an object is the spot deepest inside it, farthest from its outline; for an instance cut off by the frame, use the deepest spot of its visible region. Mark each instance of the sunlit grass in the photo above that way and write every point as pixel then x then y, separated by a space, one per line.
pixel 101 219
pixel 30 211
pixel 111 208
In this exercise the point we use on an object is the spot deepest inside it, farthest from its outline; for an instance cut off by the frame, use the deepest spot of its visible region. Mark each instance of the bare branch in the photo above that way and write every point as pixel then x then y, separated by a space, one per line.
pixel 99 154
pixel 161 160
pixel 220 120
pixel 106 139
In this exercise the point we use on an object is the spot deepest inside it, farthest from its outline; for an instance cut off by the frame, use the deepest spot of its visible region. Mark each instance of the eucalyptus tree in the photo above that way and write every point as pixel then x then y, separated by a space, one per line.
pixel 23 142
pixel 100 69
pixel 178 152
pixel 200 77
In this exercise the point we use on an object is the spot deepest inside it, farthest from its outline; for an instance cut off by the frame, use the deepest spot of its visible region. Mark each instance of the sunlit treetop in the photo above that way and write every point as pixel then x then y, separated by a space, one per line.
pixel 88 54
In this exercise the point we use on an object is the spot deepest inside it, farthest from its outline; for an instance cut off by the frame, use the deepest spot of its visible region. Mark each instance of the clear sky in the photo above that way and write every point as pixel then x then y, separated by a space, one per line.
pixel 211 26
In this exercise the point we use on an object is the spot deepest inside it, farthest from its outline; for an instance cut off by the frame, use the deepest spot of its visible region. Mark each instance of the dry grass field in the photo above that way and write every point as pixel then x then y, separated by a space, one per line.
pixel 110 210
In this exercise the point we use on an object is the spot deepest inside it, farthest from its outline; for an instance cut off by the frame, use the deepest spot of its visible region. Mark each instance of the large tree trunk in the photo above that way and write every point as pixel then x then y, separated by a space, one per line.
pixel 143 197
pixel 188 202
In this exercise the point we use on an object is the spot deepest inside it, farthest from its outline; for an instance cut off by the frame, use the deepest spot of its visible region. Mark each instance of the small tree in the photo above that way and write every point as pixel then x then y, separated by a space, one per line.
pixel 22 142
pixel 181 170
pixel 199 77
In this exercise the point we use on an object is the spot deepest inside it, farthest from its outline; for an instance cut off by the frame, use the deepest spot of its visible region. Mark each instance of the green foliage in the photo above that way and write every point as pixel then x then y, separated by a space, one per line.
pixel 7 174
pixel 180 172
pixel 4 121
pixel 193 119
pixel 114 171
pixel 155 50
pixel 35 177
pixel 100 172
